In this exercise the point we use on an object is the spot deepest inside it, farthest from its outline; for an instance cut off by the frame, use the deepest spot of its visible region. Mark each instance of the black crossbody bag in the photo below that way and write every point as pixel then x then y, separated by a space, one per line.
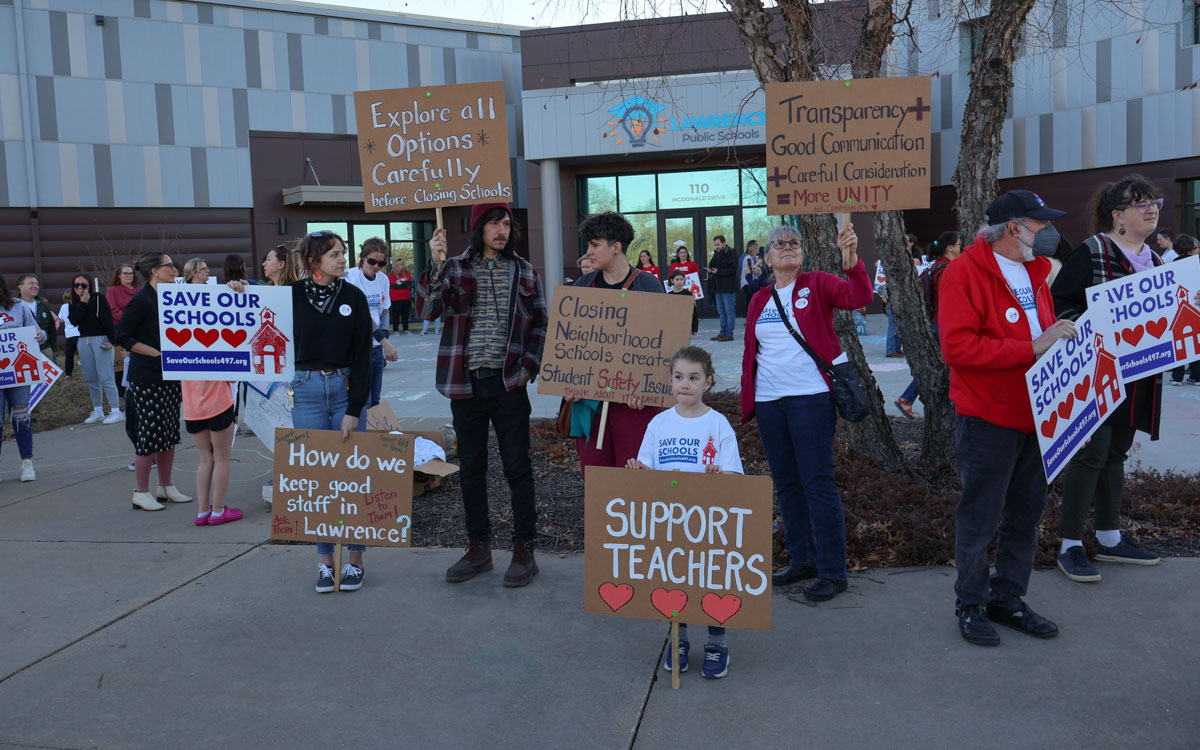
pixel 844 384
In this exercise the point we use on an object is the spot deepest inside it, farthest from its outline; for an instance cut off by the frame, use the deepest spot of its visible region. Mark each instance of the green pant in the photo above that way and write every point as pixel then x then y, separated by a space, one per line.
pixel 1096 472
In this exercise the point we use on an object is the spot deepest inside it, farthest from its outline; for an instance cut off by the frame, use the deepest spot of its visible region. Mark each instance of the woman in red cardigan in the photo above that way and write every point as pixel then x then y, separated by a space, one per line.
pixel 790 396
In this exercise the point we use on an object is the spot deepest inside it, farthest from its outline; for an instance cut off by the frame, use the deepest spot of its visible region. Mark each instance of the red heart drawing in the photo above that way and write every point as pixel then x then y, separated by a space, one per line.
pixel 179 336
pixel 1067 406
pixel 4 363
pixel 209 337
pixel 616 595
pixel 233 338
pixel 1049 425
pixel 1156 327
pixel 670 603
pixel 1133 335
pixel 1081 390
pixel 1116 337
pixel 720 608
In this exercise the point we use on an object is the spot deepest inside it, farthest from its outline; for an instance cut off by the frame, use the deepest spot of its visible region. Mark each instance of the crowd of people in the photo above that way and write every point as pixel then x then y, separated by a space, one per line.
pixel 997 305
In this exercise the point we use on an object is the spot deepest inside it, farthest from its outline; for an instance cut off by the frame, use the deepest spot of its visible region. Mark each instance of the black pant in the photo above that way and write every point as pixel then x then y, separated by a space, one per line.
pixel 69 357
pixel 1004 485
pixel 1096 474
pixel 508 411
pixel 399 312
pixel 1193 372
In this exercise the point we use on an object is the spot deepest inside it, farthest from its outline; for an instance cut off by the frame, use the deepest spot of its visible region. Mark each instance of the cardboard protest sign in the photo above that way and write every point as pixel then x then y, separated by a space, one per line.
pixel 1072 389
pixel 691 282
pixel 51 372
pixel 266 409
pixel 215 333
pixel 357 491
pixel 670 545
pixel 858 145
pixel 433 146
pixel 20 356
pixel 1150 318
pixel 428 469
pixel 611 344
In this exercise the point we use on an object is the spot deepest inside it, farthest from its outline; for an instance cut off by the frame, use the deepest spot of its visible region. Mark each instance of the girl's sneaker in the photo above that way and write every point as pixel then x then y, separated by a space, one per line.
pixel 684 647
pixel 202 519
pixel 716 662
pixel 227 516
pixel 352 578
pixel 324 578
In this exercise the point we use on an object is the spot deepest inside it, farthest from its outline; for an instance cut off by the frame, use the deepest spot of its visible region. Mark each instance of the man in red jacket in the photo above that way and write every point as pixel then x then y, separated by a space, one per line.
pixel 995 318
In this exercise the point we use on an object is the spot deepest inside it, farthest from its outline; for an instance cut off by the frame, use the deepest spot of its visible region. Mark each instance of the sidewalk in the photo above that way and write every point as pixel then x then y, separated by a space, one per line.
pixel 129 629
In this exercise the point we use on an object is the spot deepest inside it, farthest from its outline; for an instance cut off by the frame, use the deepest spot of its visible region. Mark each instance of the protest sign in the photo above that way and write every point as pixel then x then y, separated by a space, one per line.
pixel 356 491
pixel 209 333
pixel 838 146
pixel 51 372
pixel 676 546
pixel 267 410
pixel 610 344
pixel 20 357
pixel 433 146
pixel 1072 389
pixel 429 448
pixel 1150 318
pixel 691 282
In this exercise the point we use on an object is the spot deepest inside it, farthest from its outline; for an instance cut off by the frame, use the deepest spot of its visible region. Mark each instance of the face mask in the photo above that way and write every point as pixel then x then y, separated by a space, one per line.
pixel 1045 242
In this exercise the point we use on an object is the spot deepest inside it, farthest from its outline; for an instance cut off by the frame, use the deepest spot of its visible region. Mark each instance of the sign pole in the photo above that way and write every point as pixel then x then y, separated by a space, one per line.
pixel 603 422
pixel 674 654
pixel 337 565
pixel 438 212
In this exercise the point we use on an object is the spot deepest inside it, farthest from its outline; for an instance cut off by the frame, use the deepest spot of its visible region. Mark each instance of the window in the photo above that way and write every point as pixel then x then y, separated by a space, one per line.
pixel 601 195
pixel 714 187
pixel 1191 208
pixel 1191 19
pixel 972 38
pixel 635 192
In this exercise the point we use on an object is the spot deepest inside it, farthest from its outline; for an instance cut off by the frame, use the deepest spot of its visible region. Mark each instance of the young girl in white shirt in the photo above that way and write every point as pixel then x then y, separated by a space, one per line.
pixel 691 436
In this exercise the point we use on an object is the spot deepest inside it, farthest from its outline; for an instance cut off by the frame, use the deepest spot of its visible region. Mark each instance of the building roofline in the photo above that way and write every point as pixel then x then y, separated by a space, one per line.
pixel 342 12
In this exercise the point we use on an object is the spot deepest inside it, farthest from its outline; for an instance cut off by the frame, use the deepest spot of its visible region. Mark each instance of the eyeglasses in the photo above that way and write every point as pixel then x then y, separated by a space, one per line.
pixel 313 235
pixel 373 262
pixel 81 286
pixel 164 265
pixel 127 273
pixel 1145 206
pixel 792 244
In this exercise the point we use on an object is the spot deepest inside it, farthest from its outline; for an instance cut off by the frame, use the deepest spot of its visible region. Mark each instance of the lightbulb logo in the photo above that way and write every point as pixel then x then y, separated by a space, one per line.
pixel 636 120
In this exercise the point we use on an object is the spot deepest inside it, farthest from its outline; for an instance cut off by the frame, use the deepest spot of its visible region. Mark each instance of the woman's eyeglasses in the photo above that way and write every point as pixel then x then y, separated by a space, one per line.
pixel 793 244
pixel 1145 206
pixel 165 265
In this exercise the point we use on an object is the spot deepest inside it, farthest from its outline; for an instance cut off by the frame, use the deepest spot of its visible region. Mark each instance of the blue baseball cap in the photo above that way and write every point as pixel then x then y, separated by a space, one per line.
pixel 1018 204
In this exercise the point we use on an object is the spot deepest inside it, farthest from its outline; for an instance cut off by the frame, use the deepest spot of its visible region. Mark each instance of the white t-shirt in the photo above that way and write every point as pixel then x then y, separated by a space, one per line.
pixel 376 289
pixel 784 368
pixel 70 331
pixel 1018 280
pixel 676 443
pixel 1169 255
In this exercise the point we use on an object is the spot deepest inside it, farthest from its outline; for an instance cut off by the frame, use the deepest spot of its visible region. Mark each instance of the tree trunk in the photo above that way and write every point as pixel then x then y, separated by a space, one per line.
pixel 991 83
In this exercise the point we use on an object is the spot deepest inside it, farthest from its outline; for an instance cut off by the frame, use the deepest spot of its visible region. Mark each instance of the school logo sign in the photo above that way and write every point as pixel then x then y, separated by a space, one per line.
pixel 636 120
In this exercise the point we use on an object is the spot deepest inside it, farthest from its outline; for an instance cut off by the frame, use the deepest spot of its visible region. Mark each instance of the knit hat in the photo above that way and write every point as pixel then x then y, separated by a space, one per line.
pixel 479 210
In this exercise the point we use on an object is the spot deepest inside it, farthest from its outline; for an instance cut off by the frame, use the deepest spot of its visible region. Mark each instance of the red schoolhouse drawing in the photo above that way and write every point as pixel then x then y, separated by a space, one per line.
pixel 268 341
pixel 26 366
pixel 1185 328
pixel 710 453
pixel 1105 381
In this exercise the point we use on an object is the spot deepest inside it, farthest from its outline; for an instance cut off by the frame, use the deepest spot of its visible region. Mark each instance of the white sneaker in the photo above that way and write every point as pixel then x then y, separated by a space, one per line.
pixel 114 416
pixel 97 415
pixel 27 473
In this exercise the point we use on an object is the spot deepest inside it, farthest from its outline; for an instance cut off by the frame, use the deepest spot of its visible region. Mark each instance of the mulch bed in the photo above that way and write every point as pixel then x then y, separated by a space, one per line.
pixel 892 519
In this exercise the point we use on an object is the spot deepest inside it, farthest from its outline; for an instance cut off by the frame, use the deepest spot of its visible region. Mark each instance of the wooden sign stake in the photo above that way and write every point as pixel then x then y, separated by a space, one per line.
pixel 337 565
pixel 438 212
pixel 674 654
pixel 845 219
pixel 603 423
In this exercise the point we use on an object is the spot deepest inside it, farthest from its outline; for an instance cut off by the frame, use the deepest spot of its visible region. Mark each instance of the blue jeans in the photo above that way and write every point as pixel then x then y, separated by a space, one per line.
pixel 319 403
pixel 17 402
pixel 797 436
pixel 893 344
pixel 377 365
pixel 911 393
pixel 725 304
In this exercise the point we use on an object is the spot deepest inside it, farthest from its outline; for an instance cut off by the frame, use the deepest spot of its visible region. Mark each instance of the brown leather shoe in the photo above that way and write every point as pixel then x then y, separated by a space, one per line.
pixel 523 567
pixel 478 559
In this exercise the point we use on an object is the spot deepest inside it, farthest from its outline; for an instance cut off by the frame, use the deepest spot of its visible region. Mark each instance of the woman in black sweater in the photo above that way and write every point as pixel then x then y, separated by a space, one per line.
pixel 332 326
pixel 153 400
pixel 89 312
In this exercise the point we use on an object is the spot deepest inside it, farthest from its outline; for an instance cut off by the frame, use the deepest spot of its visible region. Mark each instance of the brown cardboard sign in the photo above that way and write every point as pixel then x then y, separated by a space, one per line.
pixel 857 145
pixel 433 146
pixel 612 344
pixel 669 545
pixel 357 491
pixel 427 475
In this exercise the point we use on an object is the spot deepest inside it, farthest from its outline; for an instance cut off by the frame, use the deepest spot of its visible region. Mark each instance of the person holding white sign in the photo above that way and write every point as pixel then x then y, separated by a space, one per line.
pixel 13 314
pixel 332 324
pixel 691 436
pixel 1125 215
pixel 995 318
pixel 155 402
pixel 496 320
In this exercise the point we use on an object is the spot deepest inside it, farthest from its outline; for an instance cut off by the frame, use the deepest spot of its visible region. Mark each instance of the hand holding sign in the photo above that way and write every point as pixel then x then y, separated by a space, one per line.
pixel 1062 329
pixel 848 244
pixel 437 246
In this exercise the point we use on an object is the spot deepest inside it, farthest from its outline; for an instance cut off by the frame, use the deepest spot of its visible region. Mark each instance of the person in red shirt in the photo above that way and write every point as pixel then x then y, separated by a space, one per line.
pixel 995 318
pixel 646 263
pixel 683 260
pixel 400 288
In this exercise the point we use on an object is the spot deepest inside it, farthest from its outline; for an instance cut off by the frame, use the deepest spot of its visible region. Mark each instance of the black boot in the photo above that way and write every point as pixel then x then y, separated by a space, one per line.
pixel 478 559
pixel 523 567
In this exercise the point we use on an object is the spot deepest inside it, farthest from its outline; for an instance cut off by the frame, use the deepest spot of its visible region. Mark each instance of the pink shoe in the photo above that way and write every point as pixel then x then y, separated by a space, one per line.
pixel 203 520
pixel 230 514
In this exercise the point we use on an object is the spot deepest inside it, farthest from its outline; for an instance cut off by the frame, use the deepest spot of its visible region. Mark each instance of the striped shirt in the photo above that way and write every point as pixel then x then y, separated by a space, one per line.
pixel 487 340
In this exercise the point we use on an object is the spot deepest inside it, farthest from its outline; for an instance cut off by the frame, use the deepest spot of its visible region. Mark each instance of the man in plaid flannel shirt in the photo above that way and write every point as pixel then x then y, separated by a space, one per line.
pixel 495 317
